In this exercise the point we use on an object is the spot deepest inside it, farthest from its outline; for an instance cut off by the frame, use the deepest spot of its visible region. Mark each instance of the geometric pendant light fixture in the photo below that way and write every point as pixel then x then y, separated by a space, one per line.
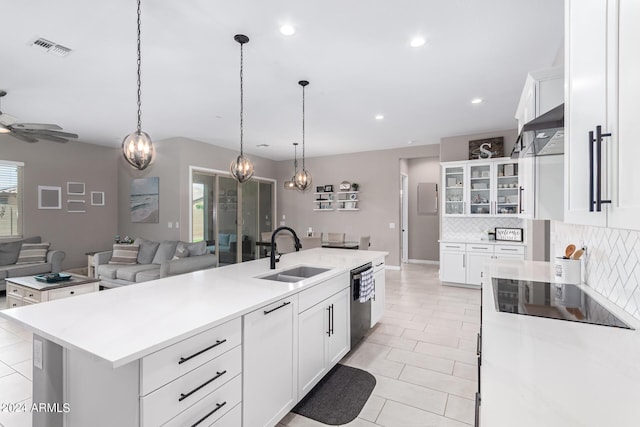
pixel 302 178
pixel 241 168
pixel 137 147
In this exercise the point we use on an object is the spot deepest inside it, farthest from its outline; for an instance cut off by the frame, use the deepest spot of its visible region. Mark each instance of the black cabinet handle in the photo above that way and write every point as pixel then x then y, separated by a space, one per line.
pixel 184 359
pixel 592 201
pixel 185 395
pixel 477 418
pixel 72 292
pixel 278 307
pixel 332 321
pixel 599 136
pixel 520 210
pixel 329 321
pixel 479 345
pixel 218 406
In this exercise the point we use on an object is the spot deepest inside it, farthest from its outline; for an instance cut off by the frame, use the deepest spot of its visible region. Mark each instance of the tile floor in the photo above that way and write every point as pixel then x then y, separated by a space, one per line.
pixel 422 354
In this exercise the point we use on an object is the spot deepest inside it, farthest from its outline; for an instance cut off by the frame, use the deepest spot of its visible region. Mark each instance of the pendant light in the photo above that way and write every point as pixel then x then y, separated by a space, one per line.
pixel 241 168
pixel 290 185
pixel 302 179
pixel 137 147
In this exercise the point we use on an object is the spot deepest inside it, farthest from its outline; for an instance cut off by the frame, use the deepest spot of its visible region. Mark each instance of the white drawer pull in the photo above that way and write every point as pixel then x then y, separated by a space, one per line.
pixel 508 249
pixel 184 359
pixel 184 396
pixel 478 247
pixel 218 406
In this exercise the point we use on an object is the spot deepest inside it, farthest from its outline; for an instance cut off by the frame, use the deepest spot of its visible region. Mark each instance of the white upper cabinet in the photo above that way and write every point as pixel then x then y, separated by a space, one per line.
pixel 602 111
pixel 481 188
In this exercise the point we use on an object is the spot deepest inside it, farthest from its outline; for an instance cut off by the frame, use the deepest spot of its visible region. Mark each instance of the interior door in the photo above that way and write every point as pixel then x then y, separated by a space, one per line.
pixel 404 203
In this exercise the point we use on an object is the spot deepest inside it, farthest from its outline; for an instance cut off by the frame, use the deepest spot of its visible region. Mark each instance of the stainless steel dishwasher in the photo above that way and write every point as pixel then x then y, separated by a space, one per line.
pixel 360 311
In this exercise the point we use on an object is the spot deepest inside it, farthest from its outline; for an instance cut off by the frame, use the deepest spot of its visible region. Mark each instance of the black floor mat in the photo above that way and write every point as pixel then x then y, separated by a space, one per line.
pixel 339 397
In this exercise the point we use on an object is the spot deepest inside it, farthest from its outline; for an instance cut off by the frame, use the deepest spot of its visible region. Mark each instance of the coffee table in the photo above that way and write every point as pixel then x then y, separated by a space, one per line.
pixel 26 290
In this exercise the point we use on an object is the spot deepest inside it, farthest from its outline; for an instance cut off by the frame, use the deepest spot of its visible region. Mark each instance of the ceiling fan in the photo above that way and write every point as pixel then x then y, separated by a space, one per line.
pixel 31 132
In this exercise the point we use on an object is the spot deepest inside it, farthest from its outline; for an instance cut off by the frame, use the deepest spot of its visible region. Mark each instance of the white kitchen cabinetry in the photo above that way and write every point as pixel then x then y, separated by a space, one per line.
pixel 270 362
pixel 485 188
pixel 324 332
pixel 463 263
pixel 379 296
pixel 452 262
pixel 602 112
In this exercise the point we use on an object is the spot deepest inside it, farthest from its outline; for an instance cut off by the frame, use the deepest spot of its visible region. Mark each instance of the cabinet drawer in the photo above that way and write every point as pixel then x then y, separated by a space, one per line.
pixel 509 249
pixel 480 248
pixel 187 391
pixel 378 264
pixel 310 297
pixel 221 408
pixel 14 290
pixel 13 301
pixel 164 365
pixel 32 296
pixel 71 291
pixel 453 247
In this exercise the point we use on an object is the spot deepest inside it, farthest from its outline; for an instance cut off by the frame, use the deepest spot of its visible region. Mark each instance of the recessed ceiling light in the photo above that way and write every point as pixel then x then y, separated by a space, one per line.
pixel 417 42
pixel 411 141
pixel 477 101
pixel 287 30
pixel 379 117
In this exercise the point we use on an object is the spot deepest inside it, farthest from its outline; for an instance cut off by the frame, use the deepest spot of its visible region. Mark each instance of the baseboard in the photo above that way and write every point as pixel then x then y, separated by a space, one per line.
pixel 392 267
pixel 423 261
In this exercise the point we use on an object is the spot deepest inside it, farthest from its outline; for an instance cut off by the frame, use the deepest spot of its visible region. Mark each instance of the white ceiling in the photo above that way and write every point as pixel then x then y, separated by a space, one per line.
pixel 355 53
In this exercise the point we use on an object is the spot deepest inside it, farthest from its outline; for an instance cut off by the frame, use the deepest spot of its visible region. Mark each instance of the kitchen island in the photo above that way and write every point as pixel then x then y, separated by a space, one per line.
pixel 191 348
pixel 538 371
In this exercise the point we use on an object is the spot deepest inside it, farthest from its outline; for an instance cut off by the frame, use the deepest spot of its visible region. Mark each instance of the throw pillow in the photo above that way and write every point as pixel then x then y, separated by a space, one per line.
pixel 182 251
pixel 124 254
pixel 147 250
pixel 198 248
pixel 166 251
pixel 224 239
pixel 32 253
pixel 10 251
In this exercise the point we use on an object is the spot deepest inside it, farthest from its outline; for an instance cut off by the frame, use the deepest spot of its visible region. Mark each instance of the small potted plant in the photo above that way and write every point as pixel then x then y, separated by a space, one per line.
pixel 355 186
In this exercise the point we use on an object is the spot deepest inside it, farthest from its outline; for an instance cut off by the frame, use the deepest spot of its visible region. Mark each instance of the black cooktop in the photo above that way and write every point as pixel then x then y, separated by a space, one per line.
pixel 552 300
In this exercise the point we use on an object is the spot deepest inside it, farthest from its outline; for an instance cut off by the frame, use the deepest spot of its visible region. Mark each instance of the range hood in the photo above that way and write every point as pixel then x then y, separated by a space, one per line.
pixel 542 136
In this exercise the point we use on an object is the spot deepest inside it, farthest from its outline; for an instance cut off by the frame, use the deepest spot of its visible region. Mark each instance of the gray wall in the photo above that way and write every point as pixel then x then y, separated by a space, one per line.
pixel 54 164
pixel 424 229
pixel 377 172
pixel 173 159
pixel 457 147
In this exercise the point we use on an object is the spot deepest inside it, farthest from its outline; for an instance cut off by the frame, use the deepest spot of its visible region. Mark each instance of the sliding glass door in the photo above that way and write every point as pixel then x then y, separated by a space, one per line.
pixel 222 210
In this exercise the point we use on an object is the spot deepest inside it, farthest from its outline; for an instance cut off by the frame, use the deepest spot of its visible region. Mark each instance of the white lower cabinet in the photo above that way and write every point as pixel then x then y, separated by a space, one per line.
pixel 463 263
pixel 270 362
pixel 377 303
pixel 324 338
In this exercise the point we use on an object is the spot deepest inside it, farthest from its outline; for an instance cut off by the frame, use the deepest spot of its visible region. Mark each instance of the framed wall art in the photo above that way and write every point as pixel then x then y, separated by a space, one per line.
pixel 75 188
pixel 49 197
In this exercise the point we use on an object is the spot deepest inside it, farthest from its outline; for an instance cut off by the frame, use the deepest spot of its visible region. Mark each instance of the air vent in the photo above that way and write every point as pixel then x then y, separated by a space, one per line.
pixel 262 145
pixel 51 47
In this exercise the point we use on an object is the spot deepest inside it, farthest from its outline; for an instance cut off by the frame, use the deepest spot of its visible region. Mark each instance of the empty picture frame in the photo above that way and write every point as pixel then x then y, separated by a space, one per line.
pixel 97 198
pixel 75 188
pixel 75 206
pixel 49 197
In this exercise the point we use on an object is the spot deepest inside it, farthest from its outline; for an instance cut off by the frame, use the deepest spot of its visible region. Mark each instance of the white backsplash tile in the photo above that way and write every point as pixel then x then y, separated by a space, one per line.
pixel 611 261
pixel 475 228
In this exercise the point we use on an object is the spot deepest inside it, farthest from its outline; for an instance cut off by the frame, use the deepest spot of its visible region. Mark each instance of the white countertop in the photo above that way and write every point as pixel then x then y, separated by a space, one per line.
pixel 480 241
pixel 124 324
pixel 546 372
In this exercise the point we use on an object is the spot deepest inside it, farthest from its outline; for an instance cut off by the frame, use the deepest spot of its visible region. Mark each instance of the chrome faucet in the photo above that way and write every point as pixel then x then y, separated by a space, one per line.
pixel 273 245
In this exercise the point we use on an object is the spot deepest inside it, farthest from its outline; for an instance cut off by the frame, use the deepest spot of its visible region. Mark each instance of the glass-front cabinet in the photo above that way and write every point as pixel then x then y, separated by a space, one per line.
pixel 481 188
pixel 454 186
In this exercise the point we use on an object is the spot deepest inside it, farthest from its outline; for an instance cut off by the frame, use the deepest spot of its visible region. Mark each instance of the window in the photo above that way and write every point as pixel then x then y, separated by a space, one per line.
pixel 10 198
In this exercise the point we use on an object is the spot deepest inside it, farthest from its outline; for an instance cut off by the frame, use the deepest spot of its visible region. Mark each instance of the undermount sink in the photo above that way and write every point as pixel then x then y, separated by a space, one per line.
pixel 295 274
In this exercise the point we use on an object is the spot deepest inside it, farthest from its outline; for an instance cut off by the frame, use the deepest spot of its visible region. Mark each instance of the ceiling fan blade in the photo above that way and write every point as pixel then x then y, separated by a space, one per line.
pixel 36 126
pixel 22 137
pixel 35 133
pixel 7 120
pixel 51 138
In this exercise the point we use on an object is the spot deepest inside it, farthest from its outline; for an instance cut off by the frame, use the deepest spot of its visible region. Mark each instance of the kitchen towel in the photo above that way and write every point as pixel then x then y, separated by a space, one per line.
pixel 367 285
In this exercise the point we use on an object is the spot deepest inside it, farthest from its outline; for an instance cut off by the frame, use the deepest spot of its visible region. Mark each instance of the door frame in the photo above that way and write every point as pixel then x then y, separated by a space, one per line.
pixel 404 217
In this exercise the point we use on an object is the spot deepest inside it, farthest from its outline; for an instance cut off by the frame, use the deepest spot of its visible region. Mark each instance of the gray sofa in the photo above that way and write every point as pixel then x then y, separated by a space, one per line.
pixel 9 252
pixel 155 260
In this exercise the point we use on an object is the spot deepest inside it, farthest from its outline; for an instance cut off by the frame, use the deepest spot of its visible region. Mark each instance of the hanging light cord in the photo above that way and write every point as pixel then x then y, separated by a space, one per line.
pixel 139 74
pixel 303 168
pixel 241 99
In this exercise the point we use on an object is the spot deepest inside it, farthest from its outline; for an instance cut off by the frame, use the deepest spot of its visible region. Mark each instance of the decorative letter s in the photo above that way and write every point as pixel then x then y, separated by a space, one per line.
pixel 483 150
